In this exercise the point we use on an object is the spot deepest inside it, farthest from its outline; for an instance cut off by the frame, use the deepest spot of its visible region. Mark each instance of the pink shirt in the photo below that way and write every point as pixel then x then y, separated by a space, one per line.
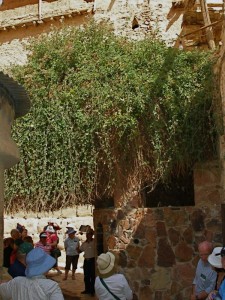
pixel 47 248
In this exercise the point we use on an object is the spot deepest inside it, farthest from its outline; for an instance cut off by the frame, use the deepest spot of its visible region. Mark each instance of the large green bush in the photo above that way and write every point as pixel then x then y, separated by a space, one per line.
pixel 108 112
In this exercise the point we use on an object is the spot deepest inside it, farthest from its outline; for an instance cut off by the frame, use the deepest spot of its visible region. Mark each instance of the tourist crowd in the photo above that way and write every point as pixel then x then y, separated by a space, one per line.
pixel 28 263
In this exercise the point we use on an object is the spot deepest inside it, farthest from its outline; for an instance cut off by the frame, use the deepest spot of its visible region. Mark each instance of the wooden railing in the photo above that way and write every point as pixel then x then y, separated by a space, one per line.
pixel 11 4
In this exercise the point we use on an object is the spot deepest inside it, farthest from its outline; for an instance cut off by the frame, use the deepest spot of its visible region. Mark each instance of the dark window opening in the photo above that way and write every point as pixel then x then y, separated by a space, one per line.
pixel 135 23
pixel 99 239
pixel 106 202
pixel 178 192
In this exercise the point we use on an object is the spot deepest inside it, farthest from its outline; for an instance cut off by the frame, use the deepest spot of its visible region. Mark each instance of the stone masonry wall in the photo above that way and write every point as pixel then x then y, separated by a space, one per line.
pixel 157 247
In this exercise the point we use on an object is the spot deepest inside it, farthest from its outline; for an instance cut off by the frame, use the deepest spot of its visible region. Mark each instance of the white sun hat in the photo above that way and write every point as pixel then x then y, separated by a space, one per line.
pixel 106 264
pixel 215 258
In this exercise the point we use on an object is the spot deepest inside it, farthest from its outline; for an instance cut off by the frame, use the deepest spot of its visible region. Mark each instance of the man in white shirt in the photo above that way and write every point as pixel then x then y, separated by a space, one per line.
pixel 35 286
pixel 88 247
pixel 109 285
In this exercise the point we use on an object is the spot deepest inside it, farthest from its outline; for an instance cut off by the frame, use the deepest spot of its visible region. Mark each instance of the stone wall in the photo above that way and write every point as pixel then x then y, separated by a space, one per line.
pixel 157 247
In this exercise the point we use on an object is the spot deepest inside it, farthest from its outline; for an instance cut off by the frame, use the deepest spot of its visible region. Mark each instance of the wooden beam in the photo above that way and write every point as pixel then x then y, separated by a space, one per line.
pixel 199 29
pixel 207 22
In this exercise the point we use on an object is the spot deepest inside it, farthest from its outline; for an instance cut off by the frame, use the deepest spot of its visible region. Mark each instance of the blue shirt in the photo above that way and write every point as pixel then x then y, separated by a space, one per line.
pixel 205 278
pixel 222 290
pixel 71 246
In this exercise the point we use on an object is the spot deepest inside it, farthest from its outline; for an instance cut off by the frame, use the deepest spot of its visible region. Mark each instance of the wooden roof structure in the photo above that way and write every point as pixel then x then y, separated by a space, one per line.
pixel 15 14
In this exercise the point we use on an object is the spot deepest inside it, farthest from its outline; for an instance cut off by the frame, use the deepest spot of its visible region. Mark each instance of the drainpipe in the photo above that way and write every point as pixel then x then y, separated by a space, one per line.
pixel 39 9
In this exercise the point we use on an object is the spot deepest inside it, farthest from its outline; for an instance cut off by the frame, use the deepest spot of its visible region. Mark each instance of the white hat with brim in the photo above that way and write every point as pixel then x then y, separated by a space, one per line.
pixel 106 264
pixel 70 225
pixel 50 229
pixel 215 258
pixel 38 262
pixel 71 230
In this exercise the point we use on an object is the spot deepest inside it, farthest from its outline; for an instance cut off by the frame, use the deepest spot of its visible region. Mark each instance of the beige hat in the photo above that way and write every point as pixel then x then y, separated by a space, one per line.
pixel 106 264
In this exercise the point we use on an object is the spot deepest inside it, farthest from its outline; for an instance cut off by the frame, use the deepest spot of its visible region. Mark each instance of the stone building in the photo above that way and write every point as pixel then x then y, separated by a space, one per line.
pixel 156 244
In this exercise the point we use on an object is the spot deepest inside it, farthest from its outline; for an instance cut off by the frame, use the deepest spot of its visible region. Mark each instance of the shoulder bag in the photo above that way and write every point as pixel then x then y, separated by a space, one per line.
pixel 105 285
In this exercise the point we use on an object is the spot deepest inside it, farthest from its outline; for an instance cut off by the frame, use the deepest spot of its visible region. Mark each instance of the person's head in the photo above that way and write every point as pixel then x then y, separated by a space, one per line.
pixel 38 262
pixel 89 234
pixel 106 264
pixel 43 238
pixel 71 233
pixel 54 225
pixel 50 229
pixel 15 234
pixel 24 233
pixel 28 239
pixel 23 250
pixel 205 248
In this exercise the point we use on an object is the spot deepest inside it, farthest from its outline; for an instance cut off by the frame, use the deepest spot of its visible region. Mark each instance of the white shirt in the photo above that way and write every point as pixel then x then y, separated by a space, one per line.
pixel 88 248
pixel 117 284
pixel 35 288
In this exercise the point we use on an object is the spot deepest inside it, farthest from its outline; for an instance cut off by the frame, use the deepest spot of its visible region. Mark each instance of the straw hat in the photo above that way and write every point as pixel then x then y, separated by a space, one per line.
pixel 38 262
pixel 106 264
pixel 215 258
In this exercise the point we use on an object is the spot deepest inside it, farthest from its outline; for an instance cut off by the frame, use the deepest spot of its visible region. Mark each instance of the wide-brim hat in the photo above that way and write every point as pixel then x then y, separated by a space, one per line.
pixel 215 258
pixel 71 230
pixel 38 262
pixel 70 225
pixel 106 264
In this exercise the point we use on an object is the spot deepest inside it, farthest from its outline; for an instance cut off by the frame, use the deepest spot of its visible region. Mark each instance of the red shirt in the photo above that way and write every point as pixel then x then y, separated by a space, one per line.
pixel 51 238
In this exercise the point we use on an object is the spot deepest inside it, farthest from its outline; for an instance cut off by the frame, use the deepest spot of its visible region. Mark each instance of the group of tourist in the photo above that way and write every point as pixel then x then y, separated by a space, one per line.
pixel 28 263
pixel 209 280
